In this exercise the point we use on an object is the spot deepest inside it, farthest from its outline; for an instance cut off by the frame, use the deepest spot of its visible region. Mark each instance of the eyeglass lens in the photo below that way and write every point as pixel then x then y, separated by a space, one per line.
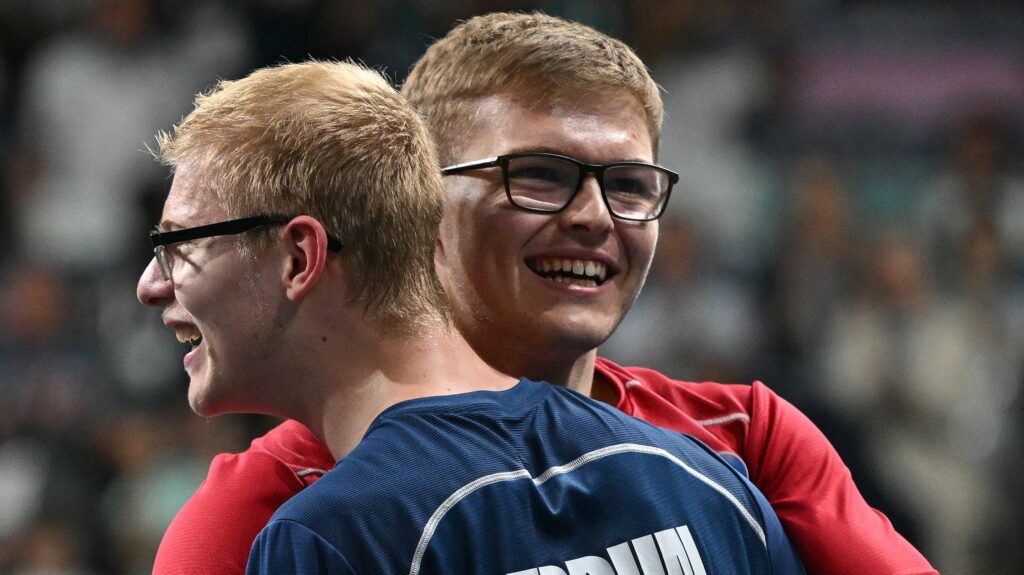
pixel 548 184
pixel 161 259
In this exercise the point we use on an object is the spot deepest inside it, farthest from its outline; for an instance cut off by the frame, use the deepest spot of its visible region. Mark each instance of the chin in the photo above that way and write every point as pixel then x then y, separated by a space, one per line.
pixel 574 333
pixel 201 407
pixel 203 401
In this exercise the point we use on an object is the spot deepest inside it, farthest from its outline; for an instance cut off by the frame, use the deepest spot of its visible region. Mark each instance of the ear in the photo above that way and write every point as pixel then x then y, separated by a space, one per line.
pixel 445 243
pixel 306 244
pixel 441 262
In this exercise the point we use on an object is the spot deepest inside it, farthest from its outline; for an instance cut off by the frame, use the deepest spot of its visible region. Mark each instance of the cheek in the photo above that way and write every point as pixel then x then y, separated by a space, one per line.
pixel 481 275
pixel 192 299
pixel 640 245
pixel 472 237
pixel 483 240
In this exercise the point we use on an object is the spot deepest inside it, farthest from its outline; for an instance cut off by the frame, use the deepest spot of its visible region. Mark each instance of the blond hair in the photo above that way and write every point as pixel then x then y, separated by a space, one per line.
pixel 532 56
pixel 334 141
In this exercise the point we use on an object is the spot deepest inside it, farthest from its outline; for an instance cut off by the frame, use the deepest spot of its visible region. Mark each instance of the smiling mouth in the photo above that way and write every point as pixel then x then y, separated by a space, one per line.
pixel 189 334
pixel 584 273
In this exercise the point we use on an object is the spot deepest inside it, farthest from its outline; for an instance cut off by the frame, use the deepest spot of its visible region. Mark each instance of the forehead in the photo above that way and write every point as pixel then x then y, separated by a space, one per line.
pixel 187 204
pixel 594 128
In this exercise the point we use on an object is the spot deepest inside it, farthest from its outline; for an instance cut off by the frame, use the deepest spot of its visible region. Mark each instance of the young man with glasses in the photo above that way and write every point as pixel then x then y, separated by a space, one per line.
pixel 296 257
pixel 543 251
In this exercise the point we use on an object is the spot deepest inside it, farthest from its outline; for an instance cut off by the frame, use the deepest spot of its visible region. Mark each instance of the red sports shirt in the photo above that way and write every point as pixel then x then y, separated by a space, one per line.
pixel 786 456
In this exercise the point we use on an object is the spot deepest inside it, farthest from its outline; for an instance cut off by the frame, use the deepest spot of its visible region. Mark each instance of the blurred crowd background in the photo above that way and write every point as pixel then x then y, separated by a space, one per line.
pixel 849 229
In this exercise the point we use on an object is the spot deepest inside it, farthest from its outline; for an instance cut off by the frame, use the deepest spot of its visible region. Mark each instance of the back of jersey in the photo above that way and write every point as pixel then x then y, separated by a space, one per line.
pixel 537 480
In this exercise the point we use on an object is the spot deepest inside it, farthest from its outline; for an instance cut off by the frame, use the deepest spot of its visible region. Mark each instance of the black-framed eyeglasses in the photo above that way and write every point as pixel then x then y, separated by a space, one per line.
pixel 544 182
pixel 231 227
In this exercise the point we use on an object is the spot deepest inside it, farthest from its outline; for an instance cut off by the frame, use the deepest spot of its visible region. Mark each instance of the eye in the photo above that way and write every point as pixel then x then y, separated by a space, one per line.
pixel 183 251
pixel 545 173
pixel 627 186
pixel 182 247
pixel 541 173
pixel 633 181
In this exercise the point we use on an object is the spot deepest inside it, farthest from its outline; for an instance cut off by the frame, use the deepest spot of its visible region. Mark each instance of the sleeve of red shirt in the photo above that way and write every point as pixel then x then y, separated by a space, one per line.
pixel 214 531
pixel 788 459
pixel 813 493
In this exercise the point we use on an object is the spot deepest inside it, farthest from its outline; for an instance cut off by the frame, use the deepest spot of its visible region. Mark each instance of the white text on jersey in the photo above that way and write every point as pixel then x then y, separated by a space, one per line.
pixel 677 550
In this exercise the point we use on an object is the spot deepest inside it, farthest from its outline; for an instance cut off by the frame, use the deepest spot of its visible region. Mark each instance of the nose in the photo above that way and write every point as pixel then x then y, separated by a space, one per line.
pixel 587 211
pixel 153 290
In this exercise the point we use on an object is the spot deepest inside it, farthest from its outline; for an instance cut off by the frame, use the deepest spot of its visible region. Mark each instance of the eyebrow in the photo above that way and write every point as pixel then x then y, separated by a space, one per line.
pixel 168 225
pixel 562 152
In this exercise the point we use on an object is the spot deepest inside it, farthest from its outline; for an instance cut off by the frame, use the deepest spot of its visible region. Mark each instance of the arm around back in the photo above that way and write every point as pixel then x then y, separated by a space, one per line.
pixel 811 489
pixel 787 457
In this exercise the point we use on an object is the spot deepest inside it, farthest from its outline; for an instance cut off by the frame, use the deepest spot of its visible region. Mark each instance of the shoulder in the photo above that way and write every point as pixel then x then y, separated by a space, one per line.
pixel 731 418
pixel 215 528
pixel 288 457
pixel 709 397
pixel 372 507
pixel 705 402
pixel 420 450
pixel 681 405
pixel 289 547
pixel 351 488
pixel 293 446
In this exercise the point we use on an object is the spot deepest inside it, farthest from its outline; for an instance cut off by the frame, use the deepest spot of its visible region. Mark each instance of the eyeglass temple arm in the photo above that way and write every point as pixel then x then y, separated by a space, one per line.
pixel 485 163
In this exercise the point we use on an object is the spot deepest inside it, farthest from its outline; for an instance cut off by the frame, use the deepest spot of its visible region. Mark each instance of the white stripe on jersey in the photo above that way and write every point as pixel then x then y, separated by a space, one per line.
pixel 464 491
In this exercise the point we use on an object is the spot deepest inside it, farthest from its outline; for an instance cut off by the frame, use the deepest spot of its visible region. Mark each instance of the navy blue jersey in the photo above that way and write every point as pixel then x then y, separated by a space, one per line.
pixel 535 480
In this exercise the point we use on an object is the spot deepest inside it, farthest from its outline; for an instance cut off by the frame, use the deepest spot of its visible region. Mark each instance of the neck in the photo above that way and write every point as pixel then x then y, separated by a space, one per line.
pixel 373 378
pixel 581 374
pixel 549 362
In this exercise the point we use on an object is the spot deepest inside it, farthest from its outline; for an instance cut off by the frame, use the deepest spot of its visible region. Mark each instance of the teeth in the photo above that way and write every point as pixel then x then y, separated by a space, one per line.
pixel 575 281
pixel 188 334
pixel 586 269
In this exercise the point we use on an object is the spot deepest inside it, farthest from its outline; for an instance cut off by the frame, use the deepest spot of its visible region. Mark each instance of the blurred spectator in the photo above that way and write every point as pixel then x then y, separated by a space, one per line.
pixel 816 256
pixel 22 474
pixel 714 78
pixel 47 376
pixel 157 468
pixel 159 456
pixel 91 100
pixel 50 548
pixel 812 275
pixel 971 221
pixel 52 386
pixel 975 189
pixel 928 380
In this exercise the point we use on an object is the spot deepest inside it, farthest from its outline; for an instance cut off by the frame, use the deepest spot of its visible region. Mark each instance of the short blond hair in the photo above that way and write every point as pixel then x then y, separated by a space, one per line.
pixel 334 141
pixel 532 56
